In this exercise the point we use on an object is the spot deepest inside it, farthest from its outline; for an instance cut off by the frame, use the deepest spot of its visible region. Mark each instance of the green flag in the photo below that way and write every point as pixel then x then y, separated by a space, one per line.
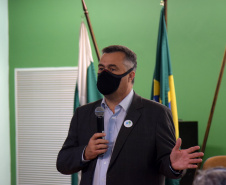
pixel 86 90
pixel 163 89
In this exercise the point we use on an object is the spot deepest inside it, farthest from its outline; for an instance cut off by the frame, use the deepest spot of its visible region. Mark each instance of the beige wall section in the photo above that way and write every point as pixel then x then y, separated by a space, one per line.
pixel 4 95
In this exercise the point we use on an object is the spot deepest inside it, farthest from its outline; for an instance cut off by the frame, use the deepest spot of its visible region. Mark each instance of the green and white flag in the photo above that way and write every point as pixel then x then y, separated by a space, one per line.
pixel 86 90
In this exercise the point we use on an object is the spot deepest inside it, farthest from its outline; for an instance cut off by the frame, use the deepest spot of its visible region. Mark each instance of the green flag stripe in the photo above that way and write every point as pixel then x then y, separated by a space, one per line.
pixel 92 92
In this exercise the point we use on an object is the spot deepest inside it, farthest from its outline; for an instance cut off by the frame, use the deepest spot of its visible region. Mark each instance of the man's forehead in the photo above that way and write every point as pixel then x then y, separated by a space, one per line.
pixel 113 56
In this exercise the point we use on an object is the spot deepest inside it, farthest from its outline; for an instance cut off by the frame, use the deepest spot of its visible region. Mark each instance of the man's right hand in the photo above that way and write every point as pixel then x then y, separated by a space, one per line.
pixel 96 146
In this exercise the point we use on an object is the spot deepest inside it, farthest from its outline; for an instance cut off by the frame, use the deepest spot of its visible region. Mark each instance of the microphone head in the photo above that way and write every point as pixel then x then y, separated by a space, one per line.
pixel 99 111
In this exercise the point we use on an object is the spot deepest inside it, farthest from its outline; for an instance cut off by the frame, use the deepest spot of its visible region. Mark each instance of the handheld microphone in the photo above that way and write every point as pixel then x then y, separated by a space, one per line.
pixel 99 112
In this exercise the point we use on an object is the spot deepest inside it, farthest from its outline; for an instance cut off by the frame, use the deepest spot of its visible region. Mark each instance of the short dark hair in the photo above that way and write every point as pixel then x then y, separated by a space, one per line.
pixel 211 176
pixel 130 56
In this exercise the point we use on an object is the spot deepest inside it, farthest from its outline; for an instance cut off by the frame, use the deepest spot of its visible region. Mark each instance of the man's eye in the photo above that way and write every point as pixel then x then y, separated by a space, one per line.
pixel 100 69
pixel 112 69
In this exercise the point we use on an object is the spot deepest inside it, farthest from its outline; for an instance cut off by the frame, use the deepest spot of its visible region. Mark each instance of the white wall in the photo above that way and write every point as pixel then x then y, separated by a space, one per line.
pixel 4 95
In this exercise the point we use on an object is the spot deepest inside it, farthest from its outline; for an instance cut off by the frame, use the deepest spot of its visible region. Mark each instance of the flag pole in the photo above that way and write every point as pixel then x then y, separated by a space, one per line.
pixel 165 5
pixel 213 107
pixel 91 29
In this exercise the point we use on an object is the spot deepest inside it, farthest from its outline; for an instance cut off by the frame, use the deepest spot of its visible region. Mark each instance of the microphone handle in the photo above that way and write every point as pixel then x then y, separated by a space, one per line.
pixel 100 125
pixel 100 129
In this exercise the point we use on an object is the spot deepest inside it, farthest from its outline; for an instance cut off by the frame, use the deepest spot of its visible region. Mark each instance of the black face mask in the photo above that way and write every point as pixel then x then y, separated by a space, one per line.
pixel 107 82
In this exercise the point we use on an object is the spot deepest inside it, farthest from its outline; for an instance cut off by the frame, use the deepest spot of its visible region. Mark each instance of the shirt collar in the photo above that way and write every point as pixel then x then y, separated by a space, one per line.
pixel 125 103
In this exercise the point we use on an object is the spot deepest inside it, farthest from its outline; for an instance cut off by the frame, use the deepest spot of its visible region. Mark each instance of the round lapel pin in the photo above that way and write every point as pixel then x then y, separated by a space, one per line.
pixel 128 123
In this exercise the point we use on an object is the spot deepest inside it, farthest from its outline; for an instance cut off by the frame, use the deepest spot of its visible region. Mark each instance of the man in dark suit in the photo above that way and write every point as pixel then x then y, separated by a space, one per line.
pixel 139 144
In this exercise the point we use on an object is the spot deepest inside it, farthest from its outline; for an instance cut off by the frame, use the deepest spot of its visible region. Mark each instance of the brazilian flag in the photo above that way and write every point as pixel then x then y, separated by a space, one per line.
pixel 163 90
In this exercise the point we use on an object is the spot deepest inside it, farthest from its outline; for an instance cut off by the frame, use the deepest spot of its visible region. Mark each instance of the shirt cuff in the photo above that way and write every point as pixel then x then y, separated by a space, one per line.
pixel 83 160
pixel 176 172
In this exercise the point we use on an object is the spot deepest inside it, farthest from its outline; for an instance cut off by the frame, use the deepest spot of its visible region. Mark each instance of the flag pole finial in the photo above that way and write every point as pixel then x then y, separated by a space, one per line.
pixel 91 29
pixel 164 3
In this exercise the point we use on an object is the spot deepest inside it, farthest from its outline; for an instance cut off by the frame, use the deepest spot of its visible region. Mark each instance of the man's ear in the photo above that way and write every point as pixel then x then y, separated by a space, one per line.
pixel 131 75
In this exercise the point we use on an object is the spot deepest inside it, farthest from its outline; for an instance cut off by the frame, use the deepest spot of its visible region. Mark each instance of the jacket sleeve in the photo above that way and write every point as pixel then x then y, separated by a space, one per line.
pixel 165 141
pixel 69 158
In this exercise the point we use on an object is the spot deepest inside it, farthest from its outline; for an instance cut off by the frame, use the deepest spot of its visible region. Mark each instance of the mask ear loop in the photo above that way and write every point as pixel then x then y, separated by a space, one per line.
pixel 122 75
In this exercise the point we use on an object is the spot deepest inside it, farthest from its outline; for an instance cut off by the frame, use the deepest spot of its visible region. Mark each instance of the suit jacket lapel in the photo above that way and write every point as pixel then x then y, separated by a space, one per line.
pixel 133 114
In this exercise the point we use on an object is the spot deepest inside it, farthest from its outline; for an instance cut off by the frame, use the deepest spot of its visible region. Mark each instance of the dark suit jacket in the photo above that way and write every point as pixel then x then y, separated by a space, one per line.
pixel 141 152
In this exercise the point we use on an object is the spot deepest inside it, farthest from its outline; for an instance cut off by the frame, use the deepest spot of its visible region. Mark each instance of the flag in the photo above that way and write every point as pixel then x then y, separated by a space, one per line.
pixel 86 90
pixel 163 89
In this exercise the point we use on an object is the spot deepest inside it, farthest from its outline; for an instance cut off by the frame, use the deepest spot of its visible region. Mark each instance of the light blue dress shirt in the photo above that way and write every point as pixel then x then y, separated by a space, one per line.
pixel 112 125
